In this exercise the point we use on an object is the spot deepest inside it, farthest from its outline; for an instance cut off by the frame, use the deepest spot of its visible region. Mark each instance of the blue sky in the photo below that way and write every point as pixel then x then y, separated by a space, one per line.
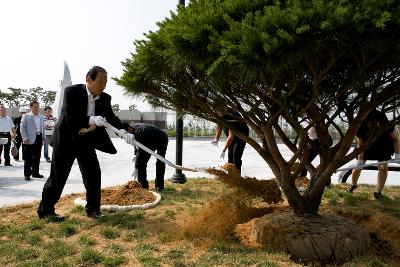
pixel 38 35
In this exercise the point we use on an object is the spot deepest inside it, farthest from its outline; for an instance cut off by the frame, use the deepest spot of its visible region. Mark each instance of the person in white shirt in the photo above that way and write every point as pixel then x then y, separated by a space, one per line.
pixel 314 148
pixel 32 132
pixel 49 124
pixel 7 133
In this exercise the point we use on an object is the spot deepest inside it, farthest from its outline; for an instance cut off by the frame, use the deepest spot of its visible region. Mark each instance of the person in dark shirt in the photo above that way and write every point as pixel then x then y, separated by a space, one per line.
pixel 233 144
pixel 18 139
pixel 314 149
pixel 155 139
pixel 381 149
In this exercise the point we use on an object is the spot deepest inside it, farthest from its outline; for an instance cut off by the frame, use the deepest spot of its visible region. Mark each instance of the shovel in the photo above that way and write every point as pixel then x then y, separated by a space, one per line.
pixel 151 152
pixel 351 167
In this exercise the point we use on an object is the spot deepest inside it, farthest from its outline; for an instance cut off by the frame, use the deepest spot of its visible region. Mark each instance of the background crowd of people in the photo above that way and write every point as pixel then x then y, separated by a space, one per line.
pixel 30 131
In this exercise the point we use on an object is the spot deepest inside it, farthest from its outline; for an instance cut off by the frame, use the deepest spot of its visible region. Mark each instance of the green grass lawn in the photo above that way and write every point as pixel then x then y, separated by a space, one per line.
pixel 157 237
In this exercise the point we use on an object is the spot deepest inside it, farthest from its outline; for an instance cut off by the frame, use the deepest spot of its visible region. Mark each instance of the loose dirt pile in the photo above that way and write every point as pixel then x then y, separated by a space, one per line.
pixel 302 182
pixel 383 229
pixel 246 187
pixel 218 219
pixel 131 193
pixel 244 199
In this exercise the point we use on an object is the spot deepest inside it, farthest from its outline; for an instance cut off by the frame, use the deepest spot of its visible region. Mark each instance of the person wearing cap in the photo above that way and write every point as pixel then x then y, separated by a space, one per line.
pixel 32 132
pixel 18 138
pixel 7 130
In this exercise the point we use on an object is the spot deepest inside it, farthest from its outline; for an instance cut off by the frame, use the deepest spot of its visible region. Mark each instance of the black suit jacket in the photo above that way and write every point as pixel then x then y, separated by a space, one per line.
pixel 17 124
pixel 73 117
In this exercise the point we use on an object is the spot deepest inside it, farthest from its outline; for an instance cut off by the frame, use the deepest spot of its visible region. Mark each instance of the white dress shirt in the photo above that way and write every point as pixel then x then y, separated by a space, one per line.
pixel 6 124
pixel 36 118
pixel 91 106
pixel 312 133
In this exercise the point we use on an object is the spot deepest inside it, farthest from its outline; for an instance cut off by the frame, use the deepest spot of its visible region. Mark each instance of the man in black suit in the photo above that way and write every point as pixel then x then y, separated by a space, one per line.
pixel 83 105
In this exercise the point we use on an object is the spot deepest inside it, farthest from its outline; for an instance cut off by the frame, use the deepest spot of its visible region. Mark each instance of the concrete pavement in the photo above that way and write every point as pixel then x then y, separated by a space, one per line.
pixel 117 169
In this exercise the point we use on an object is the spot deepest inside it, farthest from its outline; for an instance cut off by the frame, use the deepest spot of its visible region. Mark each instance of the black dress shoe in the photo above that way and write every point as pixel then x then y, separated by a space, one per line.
pixel 351 189
pixel 95 215
pixel 54 217
pixel 7 164
pixel 37 175
pixel 158 189
pixel 27 178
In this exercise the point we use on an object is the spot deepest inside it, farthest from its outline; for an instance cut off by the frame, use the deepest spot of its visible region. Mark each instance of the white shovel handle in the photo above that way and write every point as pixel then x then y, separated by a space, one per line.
pixel 151 152
pixel 351 167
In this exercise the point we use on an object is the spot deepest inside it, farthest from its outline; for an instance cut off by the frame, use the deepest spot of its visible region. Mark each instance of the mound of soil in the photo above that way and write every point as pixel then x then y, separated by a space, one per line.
pixel 131 193
pixel 302 182
pixel 383 229
pixel 315 239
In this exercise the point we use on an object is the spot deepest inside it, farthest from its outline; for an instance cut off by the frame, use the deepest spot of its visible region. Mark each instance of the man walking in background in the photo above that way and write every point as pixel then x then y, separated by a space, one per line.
pixel 32 132
pixel 18 139
pixel 7 131
pixel 49 124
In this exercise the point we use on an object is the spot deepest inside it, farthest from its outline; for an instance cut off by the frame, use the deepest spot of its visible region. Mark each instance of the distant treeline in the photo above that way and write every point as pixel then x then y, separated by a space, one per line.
pixel 22 97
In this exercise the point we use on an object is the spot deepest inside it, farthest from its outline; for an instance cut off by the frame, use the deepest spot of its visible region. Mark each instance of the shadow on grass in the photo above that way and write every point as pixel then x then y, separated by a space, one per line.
pixel 389 206
pixel 186 196
pixel 123 220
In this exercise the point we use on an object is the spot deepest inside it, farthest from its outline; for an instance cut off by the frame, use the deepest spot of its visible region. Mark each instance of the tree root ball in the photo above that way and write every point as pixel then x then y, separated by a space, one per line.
pixel 312 239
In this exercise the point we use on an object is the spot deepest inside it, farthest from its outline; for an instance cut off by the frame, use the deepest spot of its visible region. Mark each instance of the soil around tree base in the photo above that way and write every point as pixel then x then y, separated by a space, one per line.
pixel 128 194
pixel 313 239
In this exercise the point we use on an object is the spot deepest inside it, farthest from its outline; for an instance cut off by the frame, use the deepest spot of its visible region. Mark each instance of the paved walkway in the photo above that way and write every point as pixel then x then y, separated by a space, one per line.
pixel 116 169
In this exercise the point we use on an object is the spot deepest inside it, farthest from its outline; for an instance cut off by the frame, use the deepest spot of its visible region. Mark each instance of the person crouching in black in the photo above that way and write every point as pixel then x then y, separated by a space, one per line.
pixel 155 139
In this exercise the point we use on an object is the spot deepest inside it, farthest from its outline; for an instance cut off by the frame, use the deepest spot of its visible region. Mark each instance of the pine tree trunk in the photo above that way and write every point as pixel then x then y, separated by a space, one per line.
pixel 302 205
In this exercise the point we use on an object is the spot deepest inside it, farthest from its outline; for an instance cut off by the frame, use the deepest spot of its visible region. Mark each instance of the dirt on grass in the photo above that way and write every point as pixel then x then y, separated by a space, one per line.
pixel 247 187
pixel 383 229
pixel 302 182
pixel 202 211
pixel 244 199
pixel 131 193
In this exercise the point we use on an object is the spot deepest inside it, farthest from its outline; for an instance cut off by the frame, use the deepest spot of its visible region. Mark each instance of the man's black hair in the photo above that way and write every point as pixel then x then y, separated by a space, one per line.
pixel 33 102
pixel 126 126
pixel 92 73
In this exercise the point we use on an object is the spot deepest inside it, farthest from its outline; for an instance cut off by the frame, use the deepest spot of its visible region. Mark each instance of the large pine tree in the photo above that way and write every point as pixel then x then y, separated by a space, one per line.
pixel 277 61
